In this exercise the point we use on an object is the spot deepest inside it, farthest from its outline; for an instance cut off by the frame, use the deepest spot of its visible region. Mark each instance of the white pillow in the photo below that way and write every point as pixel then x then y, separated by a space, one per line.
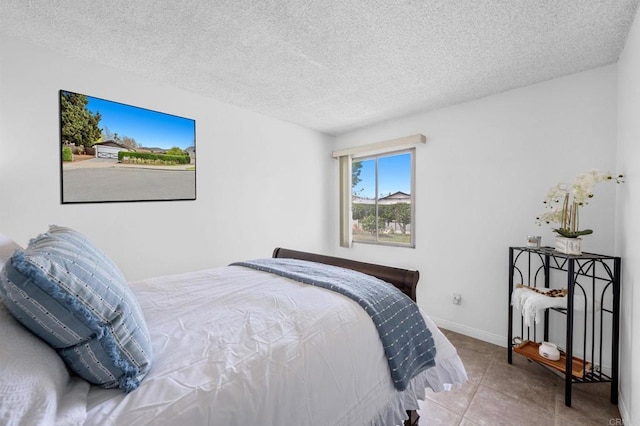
pixel 35 386
pixel 73 296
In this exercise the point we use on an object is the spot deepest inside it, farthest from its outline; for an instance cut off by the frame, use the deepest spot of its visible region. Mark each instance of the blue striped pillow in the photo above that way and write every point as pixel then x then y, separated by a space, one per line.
pixel 72 296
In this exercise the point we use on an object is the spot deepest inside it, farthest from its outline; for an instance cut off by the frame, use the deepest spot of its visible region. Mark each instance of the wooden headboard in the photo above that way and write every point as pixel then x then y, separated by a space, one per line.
pixel 404 279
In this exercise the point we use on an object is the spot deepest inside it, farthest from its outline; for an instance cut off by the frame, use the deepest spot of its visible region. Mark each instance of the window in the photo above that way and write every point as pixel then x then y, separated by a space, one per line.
pixel 382 198
pixel 377 184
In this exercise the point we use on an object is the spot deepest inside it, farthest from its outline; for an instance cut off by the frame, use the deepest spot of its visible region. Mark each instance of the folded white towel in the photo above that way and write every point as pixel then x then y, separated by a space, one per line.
pixel 532 303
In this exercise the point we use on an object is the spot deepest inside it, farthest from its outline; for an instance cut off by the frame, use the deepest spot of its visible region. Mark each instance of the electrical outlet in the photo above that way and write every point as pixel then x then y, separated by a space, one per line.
pixel 456 298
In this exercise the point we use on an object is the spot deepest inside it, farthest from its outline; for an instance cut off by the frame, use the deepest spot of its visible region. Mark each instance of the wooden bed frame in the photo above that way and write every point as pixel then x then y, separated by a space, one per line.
pixel 404 279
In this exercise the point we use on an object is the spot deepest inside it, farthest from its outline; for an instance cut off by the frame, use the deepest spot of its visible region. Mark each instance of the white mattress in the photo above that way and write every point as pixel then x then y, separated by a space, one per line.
pixel 235 346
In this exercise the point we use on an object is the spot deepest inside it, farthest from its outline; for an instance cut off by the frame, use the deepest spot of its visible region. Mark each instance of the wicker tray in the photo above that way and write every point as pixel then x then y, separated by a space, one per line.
pixel 529 349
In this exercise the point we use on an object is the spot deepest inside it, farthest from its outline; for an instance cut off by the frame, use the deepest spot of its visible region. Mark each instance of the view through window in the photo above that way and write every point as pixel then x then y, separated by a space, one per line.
pixel 381 198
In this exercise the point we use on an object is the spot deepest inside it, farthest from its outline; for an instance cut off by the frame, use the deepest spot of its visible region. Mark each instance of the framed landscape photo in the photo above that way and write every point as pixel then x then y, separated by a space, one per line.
pixel 113 152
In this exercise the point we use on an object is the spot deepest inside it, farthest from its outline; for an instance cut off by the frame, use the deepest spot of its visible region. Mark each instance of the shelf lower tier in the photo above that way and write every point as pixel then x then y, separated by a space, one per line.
pixel 529 349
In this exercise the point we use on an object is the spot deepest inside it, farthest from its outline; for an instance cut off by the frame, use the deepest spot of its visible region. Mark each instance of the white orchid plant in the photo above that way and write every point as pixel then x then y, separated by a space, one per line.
pixel 563 202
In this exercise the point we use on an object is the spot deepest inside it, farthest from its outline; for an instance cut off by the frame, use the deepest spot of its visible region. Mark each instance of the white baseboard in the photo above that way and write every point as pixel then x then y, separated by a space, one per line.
pixel 624 412
pixel 496 339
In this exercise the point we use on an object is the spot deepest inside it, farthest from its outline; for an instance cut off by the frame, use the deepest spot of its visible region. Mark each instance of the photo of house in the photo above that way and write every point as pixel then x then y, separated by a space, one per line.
pixel 500 101
pixel 110 149
pixel 126 165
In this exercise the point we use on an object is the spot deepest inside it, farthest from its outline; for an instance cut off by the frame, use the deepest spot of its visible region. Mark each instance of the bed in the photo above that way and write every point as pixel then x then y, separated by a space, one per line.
pixel 234 345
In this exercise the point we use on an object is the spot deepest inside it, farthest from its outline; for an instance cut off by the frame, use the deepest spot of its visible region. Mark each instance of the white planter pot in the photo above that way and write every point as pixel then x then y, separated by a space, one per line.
pixel 569 245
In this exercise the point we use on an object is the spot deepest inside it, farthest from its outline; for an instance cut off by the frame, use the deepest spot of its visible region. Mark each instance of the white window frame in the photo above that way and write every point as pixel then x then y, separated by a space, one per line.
pixel 346 156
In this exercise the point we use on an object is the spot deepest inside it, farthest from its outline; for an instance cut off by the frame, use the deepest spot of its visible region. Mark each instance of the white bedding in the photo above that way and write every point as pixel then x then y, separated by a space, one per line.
pixel 35 386
pixel 235 346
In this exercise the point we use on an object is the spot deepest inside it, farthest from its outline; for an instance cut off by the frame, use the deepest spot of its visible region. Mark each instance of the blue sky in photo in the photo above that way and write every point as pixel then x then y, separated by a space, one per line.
pixel 150 129
pixel 394 174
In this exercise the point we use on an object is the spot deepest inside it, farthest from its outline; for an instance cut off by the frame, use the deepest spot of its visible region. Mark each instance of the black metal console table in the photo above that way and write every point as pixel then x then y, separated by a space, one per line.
pixel 597 278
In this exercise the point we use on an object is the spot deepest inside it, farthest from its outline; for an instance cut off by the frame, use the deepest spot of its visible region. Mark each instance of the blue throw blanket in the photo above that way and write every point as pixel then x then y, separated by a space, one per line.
pixel 407 342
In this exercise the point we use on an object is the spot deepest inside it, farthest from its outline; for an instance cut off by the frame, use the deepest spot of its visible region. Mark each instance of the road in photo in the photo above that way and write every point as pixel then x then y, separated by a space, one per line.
pixel 127 184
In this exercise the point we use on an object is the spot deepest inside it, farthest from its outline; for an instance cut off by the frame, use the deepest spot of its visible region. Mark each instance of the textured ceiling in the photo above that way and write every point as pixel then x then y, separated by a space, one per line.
pixel 332 65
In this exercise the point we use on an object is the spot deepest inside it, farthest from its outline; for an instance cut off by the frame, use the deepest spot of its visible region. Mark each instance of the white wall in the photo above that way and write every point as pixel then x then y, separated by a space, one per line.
pixel 261 182
pixel 627 242
pixel 481 179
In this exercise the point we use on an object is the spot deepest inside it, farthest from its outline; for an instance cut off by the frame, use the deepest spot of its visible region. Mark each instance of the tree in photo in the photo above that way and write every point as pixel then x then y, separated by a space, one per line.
pixel 128 142
pixel 108 135
pixel 78 125
pixel 175 151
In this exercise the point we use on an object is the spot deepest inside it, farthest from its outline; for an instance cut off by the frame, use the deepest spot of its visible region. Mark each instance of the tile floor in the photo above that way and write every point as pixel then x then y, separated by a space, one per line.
pixel 520 394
